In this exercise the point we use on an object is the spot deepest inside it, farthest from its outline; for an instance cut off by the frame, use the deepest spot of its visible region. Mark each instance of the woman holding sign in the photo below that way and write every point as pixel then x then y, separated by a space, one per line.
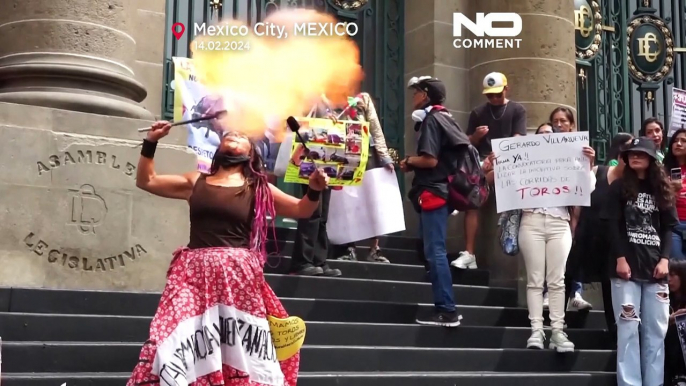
pixel 641 215
pixel 545 239
pixel 215 285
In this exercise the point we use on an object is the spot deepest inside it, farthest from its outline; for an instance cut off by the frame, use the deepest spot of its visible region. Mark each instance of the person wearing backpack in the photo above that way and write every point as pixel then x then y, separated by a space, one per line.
pixel 499 117
pixel 441 147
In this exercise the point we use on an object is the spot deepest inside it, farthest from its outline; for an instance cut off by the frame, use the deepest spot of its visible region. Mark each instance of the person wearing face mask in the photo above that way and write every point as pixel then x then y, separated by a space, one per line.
pixel 441 145
pixel 498 118
pixel 655 130
pixel 219 274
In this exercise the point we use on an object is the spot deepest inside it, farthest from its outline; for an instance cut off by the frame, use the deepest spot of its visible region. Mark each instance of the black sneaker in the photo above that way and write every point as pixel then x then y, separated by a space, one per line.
pixel 350 256
pixel 309 271
pixel 444 319
pixel 331 272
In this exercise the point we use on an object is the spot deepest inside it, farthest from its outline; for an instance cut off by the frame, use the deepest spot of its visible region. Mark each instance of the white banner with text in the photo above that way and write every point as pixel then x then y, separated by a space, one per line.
pixel 542 171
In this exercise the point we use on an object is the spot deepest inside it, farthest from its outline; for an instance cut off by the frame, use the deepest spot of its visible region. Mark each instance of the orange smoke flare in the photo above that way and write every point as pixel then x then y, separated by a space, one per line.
pixel 271 78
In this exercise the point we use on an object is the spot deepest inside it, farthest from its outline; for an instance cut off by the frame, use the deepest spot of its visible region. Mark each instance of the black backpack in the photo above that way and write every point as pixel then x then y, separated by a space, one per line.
pixel 467 187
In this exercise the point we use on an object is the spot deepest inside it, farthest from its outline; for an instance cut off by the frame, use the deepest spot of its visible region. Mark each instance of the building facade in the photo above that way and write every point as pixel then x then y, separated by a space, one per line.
pixel 78 77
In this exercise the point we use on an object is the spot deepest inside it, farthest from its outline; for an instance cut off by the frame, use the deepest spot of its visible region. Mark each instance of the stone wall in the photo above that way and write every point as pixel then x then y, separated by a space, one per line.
pixel 70 213
pixel 149 31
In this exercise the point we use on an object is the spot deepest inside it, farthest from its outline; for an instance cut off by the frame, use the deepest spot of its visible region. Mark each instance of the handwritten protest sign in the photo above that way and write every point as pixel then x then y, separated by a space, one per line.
pixel 542 171
pixel 288 335
pixel 340 148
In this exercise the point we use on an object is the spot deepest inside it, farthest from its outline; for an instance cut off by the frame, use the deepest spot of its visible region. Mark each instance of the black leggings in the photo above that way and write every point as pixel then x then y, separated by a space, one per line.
pixel 606 288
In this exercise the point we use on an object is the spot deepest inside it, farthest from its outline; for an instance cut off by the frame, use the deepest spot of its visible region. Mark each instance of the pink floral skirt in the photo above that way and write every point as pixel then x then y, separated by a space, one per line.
pixel 211 328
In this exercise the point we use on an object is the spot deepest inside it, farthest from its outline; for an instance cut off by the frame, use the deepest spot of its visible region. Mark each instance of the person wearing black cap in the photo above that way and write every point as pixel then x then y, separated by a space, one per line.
pixel 440 145
pixel 641 215
pixel 499 117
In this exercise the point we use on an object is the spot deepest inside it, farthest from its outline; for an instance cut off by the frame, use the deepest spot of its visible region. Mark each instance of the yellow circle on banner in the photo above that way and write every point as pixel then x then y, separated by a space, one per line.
pixel 288 335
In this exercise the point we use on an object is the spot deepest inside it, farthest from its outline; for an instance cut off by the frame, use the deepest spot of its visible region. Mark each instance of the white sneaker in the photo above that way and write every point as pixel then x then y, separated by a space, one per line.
pixel 578 303
pixel 560 343
pixel 465 261
pixel 537 340
pixel 455 213
pixel 546 301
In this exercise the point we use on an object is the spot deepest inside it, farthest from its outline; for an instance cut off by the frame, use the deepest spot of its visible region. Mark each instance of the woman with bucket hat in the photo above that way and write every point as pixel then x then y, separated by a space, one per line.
pixel 641 215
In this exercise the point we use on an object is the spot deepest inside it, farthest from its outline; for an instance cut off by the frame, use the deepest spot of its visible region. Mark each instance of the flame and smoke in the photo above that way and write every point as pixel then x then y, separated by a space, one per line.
pixel 277 78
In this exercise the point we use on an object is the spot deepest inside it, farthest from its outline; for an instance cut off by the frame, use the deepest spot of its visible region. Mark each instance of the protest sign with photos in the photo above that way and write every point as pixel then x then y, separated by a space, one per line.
pixel 542 171
pixel 339 148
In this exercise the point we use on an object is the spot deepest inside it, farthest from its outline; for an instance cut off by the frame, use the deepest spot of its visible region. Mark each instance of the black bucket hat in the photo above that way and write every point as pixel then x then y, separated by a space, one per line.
pixel 642 145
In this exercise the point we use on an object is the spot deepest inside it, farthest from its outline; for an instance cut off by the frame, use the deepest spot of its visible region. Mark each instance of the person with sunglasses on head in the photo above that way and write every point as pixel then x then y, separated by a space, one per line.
pixel 498 118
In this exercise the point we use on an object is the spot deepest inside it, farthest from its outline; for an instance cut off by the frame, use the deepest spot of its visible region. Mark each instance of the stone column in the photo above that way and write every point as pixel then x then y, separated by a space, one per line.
pixel 71 54
pixel 541 74
pixel 429 51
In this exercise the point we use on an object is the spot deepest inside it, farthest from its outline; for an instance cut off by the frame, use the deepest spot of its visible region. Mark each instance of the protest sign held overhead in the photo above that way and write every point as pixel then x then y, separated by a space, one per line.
pixel 542 171
pixel 678 119
pixel 192 99
pixel 340 148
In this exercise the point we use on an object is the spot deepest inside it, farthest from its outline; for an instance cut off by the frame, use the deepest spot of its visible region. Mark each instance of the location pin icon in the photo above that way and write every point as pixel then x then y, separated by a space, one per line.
pixel 178 32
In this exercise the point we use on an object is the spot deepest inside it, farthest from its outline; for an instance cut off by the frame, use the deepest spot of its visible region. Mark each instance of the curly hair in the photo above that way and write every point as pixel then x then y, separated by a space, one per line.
pixel 256 182
pixel 656 176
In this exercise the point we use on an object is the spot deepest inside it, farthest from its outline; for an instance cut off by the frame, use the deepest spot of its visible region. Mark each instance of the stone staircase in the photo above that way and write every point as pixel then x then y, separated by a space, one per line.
pixel 361 331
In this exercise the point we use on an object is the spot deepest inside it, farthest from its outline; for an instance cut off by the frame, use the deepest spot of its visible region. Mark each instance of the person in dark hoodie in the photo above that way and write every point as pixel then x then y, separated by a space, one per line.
pixel 440 147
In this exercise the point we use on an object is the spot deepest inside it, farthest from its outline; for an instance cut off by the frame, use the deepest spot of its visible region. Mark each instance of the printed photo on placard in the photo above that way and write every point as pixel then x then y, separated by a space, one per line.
pixel 354 129
pixel 339 148
pixel 331 169
pixel 353 146
pixel 306 169
pixel 346 173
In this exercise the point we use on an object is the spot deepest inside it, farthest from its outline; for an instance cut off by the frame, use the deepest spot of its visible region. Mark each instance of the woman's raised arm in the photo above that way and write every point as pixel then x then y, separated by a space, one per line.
pixel 178 186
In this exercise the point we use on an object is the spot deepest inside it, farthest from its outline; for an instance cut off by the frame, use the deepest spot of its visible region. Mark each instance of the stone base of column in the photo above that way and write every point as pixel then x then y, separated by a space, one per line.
pixel 77 83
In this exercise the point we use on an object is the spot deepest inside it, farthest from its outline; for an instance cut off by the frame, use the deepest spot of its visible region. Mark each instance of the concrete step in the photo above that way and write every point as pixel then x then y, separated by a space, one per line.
pixel 24 300
pixel 368 270
pixel 284 247
pixel 283 285
pixel 389 241
pixel 347 379
pixel 21 357
pixel 17 327
pixel 384 290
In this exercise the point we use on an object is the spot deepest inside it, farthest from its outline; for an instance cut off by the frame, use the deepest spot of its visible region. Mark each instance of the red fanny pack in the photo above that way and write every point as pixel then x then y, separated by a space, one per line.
pixel 430 201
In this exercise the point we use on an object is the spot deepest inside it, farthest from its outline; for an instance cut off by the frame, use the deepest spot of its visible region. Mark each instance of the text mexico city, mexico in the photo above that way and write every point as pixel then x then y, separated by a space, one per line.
pixel 279 31
pixel 498 37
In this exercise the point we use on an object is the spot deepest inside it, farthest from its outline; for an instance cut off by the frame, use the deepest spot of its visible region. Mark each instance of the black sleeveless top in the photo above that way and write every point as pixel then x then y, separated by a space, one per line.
pixel 220 216
pixel 589 258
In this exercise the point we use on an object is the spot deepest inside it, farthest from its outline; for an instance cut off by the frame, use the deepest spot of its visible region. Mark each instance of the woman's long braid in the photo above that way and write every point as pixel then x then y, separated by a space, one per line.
pixel 264 206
